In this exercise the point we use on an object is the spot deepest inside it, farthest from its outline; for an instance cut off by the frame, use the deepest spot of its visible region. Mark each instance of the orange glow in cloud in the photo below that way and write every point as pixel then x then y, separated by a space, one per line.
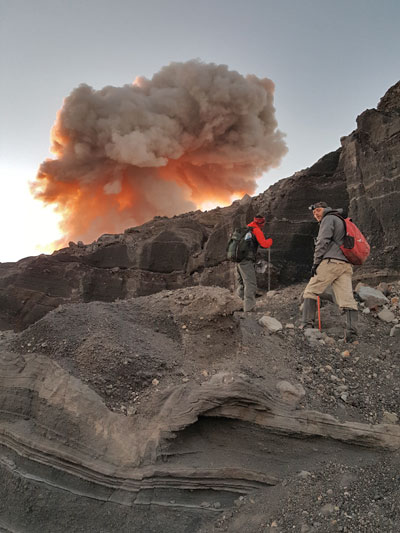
pixel 194 135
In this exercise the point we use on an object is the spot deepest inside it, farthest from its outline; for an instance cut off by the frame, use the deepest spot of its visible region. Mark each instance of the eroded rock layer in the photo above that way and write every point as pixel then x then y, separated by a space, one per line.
pixel 169 412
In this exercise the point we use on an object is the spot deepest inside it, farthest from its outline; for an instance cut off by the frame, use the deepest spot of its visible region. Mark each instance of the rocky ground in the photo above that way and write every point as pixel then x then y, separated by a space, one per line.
pixel 132 352
pixel 339 498
pixel 129 349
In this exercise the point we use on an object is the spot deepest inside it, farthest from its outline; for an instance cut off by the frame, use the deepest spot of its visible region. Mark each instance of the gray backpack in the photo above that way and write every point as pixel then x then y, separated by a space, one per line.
pixel 241 245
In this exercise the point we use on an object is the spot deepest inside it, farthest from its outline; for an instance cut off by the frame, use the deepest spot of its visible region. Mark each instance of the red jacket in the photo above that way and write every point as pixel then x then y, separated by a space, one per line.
pixel 259 235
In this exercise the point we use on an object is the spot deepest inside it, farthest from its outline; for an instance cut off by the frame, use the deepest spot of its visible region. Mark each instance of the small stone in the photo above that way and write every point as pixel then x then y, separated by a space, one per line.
pixel 313 334
pixel 327 509
pixel 395 331
pixel 272 324
pixel 290 393
pixel 155 382
pixel 208 336
pixel 346 353
pixel 204 373
pixel 366 311
pixel 304 474
pixel 305 529
pixel 217 505
pixel 386 316
pixel 184 326
pixel 185 380
pixel 289 326
pixel 390 418
pixel 274 524
pixel 384 288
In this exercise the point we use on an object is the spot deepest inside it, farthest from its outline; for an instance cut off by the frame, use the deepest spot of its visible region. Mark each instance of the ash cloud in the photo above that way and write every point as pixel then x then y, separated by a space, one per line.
pixel 195 132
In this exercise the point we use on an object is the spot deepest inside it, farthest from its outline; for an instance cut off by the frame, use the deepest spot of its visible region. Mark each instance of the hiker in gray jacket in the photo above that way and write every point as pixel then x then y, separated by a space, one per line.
pixel 330 267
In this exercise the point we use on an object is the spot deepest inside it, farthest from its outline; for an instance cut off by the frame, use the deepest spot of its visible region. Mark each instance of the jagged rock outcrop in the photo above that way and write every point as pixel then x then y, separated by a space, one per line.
pixel 362 177
pixel 371 164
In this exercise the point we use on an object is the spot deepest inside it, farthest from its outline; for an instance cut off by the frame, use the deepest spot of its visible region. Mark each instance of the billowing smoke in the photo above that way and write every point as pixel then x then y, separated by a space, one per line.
pixel 194 133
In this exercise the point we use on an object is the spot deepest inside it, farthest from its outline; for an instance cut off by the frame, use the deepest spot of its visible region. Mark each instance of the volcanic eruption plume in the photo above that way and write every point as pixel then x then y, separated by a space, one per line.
pixel 193 133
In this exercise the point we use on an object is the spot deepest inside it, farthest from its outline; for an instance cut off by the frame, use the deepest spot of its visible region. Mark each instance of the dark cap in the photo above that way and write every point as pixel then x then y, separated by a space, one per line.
pixel 317 204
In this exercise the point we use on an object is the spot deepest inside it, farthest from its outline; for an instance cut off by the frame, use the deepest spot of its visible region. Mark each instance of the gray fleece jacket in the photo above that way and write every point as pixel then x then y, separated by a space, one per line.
pixel 330 237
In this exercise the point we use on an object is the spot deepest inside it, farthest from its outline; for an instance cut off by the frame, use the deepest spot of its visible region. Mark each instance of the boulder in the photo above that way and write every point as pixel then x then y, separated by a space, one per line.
pixel 371 297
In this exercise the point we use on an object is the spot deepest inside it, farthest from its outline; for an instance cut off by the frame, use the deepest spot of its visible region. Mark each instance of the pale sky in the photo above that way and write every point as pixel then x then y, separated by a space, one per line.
pixel 329 59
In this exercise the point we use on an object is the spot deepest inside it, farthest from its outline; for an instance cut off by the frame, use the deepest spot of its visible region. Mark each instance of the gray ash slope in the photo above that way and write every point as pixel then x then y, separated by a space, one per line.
pixel 188 376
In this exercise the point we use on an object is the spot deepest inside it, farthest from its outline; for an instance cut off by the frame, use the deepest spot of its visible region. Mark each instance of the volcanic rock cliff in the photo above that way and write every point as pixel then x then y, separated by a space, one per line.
pixel 166 253
pixel 136 396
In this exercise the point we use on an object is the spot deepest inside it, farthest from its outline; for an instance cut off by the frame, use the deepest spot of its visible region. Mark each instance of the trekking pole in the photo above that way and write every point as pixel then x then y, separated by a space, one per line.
pixel 319 313
pixel 269 269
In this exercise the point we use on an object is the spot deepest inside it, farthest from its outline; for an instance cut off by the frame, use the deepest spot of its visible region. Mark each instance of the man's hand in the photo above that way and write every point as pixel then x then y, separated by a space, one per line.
pixel 314 270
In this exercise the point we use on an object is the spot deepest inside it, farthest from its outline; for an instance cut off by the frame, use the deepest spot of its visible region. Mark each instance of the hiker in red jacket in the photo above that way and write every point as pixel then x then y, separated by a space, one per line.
pixel 245 270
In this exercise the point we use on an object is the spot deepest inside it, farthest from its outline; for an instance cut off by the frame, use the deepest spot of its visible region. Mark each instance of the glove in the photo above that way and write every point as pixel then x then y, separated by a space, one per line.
pixel 314 270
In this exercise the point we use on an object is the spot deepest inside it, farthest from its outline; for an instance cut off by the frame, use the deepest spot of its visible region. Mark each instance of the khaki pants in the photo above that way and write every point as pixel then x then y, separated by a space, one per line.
pixel 246 283
pixel 338 274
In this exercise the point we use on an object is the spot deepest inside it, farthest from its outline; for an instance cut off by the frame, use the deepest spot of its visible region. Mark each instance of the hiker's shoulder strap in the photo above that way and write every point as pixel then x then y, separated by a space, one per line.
pixel 338 215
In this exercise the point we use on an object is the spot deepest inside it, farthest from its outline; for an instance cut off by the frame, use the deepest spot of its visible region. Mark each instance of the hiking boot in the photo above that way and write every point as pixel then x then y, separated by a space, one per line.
pixel 351 332
pixel 309 308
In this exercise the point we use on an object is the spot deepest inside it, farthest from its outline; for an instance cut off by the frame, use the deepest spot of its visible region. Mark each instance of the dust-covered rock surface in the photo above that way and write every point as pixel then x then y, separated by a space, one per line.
pixel 178 412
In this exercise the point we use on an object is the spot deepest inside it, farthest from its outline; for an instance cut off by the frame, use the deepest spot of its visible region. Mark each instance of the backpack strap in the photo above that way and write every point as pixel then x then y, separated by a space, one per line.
pixel 338 215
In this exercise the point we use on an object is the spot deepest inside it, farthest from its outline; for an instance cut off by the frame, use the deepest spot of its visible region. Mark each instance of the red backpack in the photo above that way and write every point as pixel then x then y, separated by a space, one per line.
pixel 355 246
